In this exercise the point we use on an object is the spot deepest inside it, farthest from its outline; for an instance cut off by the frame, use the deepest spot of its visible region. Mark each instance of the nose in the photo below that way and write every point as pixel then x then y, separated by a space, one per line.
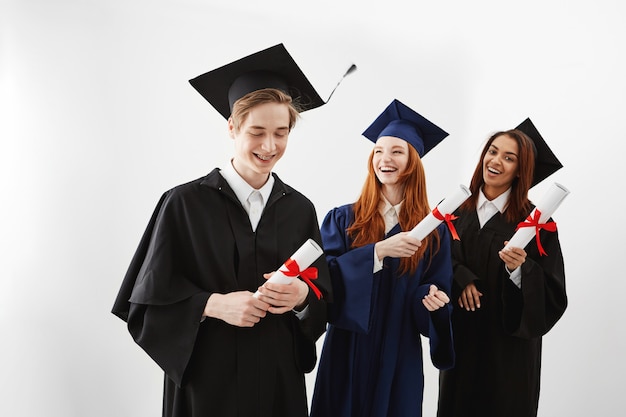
pixel 269 143
pixel 496 159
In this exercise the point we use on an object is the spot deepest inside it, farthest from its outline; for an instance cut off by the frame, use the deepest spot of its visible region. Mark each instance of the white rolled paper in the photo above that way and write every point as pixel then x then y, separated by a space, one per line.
pixel 547 206
pixel 447 206
pixel 304 257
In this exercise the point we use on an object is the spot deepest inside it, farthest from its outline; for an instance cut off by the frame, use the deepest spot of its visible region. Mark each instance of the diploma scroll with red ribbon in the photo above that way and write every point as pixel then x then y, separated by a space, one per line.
pixel 537 219
pixel 443 212
pixel 299 264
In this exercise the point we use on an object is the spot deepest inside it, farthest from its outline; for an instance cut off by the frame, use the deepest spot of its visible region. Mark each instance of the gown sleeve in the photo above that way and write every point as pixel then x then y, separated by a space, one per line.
pixel 436 325
pixel 351 271
pixel 162 307
pixel 535 308
pixel 311 327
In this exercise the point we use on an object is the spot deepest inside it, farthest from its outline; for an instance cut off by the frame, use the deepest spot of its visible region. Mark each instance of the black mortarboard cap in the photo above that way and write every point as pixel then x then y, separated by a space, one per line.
pixel 270 68
pixel 546 163
pixel 401 121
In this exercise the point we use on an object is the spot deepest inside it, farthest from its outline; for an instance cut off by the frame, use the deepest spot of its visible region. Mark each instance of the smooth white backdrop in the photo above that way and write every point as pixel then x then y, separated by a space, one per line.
pixel 97 119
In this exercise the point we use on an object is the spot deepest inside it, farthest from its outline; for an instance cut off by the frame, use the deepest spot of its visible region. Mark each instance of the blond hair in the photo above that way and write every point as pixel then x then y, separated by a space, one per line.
pixel 243 106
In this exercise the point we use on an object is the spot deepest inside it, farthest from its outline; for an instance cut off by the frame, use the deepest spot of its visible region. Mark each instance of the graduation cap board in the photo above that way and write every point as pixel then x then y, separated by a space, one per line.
pixel 270 68
pixel 399 120
pixel 546 163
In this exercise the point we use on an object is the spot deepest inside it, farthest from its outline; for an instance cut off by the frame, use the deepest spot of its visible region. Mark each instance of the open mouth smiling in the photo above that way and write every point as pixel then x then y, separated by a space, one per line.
pixel 263 157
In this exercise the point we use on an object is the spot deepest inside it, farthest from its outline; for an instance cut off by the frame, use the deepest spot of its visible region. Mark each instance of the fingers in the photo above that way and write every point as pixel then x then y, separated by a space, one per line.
pixel 275 294
pixel 467 301
pixel 279 310
pixel 433 302
pixel 407 245
pixel 239 308
pixel 259 305
pixel 253 311
pixel 470 298
pixel 283 297
pixel 400 245
pixel 437 293
pixel 513 257
pixel 475 297
pixel 250 318
pixel 443 297
pixel 435 299
pixel 406 239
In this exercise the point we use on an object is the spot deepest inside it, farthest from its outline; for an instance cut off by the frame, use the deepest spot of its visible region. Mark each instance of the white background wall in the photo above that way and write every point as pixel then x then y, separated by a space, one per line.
pixel 97 120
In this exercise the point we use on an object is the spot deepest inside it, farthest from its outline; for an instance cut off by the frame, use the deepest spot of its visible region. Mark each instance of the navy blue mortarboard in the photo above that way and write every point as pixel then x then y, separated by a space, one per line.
pixel 270 68
pixel 399 120
pixel 546 163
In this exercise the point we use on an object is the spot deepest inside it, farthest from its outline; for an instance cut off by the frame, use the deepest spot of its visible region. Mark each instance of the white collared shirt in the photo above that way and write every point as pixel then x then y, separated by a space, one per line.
pixel 486 209
pixel 389 213
pixel 243 190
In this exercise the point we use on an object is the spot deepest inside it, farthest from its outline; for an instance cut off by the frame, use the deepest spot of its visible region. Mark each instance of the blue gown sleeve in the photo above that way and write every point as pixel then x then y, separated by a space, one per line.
pixel 351 271
pixel 436 325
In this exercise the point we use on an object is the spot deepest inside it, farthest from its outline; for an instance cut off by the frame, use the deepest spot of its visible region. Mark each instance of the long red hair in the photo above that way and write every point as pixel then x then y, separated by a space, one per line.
pixel 518 205
pixel 369 225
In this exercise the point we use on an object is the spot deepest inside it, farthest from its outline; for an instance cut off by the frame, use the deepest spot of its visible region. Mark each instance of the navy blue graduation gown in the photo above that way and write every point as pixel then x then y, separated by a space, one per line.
pixel 371 363
pixel 498 346
pixel 200 241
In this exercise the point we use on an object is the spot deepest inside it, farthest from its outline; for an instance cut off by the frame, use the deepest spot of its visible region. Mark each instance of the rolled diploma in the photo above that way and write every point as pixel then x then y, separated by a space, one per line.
pixel 304 257
pixel 447 206
pixel 548 205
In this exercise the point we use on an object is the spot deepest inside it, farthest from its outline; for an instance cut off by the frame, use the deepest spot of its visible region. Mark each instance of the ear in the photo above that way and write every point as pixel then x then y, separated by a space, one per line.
pixel 231 128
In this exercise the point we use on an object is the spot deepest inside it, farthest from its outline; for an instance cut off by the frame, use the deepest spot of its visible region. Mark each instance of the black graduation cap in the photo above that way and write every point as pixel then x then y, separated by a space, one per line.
pixel 401 121
pixel 546 163
pixel 270 68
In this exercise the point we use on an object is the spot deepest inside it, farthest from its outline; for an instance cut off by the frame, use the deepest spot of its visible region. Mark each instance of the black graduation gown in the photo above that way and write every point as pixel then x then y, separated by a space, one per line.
pixel 200 241
pixel 498 347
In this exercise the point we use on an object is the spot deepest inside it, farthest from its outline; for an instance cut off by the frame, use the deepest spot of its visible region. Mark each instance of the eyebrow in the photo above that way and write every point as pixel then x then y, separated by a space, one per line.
pixel 264 128
pixel 510 153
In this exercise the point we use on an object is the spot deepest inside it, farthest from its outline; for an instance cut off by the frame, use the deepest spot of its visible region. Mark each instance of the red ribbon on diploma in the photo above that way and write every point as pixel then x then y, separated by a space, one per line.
pixel 448 219
pixel 309 274
pixel 534 222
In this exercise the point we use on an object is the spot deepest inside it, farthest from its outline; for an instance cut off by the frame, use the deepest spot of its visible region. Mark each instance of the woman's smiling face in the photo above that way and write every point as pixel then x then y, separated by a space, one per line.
pixel 500 166
pixel 391 157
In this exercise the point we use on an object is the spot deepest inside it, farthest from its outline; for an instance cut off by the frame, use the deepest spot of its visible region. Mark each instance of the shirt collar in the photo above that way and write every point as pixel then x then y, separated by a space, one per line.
pixel 500 201
pixel 390 213
pixel 384 206
pixel 241 188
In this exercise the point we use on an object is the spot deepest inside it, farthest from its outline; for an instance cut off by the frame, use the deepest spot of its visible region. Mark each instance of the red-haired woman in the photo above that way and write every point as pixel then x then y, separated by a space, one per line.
pixel 389 288
pixel 504 300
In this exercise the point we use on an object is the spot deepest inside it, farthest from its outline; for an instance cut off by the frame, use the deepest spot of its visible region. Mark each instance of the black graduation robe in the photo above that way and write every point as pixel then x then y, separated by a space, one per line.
pixel 372 362
pixel 498 346
pixel 200 241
